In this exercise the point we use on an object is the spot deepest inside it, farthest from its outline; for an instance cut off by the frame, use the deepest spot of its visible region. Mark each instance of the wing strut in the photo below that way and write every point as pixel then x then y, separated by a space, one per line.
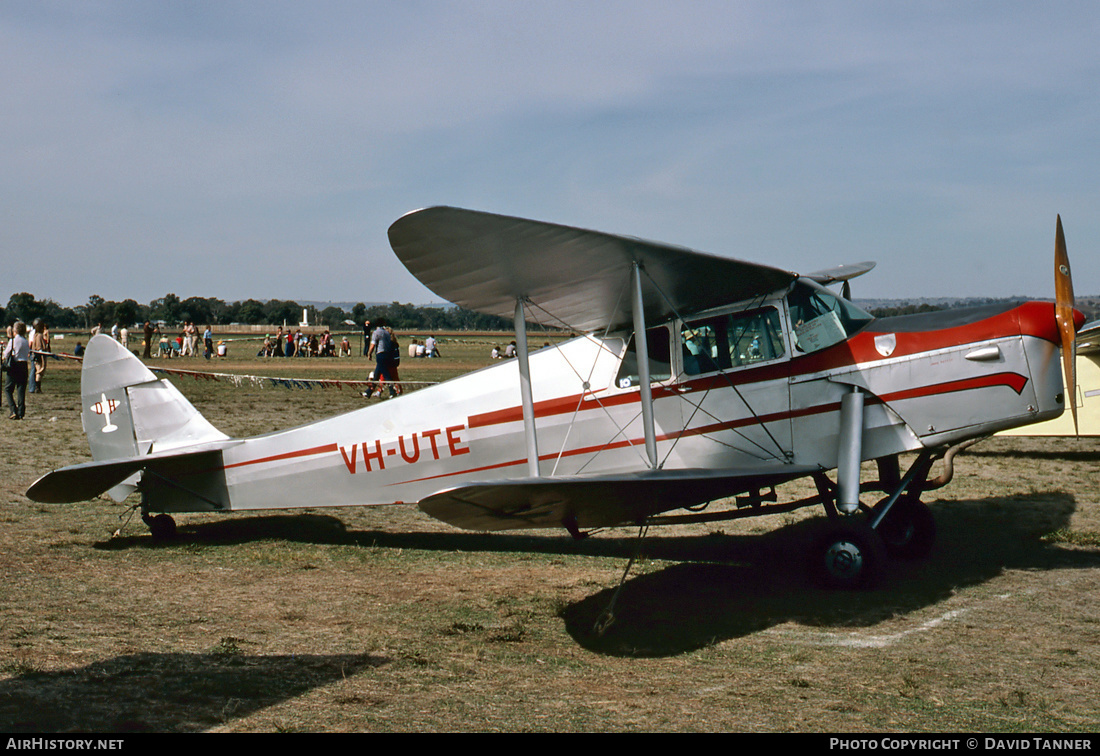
pixel 525 391
pixel 642 345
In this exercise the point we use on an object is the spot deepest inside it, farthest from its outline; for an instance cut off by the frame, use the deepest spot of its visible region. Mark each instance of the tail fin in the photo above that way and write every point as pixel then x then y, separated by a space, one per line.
pixel 128 412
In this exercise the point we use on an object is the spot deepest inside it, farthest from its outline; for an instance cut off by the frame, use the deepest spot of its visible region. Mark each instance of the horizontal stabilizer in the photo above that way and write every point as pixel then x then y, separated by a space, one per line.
pixel 598 500
pixel 90 479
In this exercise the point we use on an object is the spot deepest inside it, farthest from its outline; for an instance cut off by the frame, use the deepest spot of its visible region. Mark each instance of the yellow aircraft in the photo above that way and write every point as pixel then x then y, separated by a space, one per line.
pixel 1087 395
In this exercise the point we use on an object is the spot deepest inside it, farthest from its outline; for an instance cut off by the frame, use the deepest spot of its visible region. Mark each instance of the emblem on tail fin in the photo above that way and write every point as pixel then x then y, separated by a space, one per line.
pixel 105 407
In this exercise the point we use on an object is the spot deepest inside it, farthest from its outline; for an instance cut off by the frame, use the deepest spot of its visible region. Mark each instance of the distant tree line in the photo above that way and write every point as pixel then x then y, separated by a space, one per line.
pixel 906 309
pixel 911 309
pixel 173 311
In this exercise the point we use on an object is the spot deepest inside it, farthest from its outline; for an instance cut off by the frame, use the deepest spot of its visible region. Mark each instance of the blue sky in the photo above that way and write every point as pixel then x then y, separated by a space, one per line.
pixel 262 149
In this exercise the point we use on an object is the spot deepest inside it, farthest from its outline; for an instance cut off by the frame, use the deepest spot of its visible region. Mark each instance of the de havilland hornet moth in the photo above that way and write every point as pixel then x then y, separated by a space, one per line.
pixel 698 379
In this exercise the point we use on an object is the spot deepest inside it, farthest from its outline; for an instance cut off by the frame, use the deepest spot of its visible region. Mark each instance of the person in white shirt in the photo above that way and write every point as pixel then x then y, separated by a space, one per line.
pixel 17 357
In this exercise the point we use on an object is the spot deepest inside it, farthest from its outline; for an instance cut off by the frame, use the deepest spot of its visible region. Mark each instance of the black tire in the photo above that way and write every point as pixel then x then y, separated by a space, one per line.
pixel 848 555
pixel 908 530
pixel 162 527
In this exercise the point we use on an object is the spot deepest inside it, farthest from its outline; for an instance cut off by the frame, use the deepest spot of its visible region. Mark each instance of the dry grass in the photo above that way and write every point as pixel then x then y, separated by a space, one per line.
pixel 383 619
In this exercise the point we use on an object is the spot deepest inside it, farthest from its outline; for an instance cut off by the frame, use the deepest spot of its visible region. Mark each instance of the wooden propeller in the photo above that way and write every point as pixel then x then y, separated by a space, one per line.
pixel 1063 313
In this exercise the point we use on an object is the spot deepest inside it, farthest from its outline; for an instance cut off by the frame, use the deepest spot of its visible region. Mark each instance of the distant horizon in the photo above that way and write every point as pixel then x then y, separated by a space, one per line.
pixel 321 304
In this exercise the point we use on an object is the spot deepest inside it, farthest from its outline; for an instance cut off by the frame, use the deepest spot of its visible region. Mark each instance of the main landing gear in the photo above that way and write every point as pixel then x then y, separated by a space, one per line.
pixel 848 554
pixel 851 551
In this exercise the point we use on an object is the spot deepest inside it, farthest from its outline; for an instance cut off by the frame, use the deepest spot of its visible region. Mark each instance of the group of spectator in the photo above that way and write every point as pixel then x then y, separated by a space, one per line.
pixel 24 354
pixel 508 353
pixel 425 348
pixel 296 343
pixel 186 343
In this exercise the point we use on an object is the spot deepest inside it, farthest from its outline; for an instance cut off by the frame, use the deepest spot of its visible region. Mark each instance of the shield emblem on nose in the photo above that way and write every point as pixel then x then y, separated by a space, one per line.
pixel 885 344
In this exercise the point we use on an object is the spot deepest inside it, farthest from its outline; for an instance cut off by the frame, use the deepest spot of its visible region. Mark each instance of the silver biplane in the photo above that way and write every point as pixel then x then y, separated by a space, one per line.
pixel 700 382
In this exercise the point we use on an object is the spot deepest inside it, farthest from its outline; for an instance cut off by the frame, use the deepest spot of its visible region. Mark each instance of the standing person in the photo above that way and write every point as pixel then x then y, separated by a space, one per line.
pixel 290 343
pixel 124 337
pixel 208 342
pixel 278 346
pixel 40 345
pixel 188 347
pixel 148 330
pixel 366 337
pixel 16 357
pixel 381 348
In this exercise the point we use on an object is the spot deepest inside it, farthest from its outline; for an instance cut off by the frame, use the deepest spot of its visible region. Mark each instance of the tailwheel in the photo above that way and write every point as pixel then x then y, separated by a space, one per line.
pixel 908 530
pixel 848 554
pixel 162 527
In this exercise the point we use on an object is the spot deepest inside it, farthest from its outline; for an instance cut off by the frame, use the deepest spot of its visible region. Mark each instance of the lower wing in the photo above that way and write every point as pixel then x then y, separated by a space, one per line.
pixel 598 500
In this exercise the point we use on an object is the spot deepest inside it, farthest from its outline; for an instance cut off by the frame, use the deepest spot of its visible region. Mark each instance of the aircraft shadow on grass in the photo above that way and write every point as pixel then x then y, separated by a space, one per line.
pixel 152 692
pixel 726 586
pixel 690 605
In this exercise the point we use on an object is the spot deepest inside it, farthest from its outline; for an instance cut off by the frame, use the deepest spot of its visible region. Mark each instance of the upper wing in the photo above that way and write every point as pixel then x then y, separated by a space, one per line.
pixel 485 262
pixel 841 272
pixel 597 500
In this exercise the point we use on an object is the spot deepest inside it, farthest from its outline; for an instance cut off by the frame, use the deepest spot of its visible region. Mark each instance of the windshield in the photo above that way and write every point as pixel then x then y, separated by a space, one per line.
pixel 820 318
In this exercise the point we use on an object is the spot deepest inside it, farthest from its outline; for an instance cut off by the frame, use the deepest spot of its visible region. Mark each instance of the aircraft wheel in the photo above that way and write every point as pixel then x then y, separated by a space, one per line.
pixel 848 555
pixel 162 527
pixel 909 529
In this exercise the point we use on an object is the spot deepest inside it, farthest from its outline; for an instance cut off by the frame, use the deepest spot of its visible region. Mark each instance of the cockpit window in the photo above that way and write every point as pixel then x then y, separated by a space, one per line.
pixel 821 318
pixel 731 341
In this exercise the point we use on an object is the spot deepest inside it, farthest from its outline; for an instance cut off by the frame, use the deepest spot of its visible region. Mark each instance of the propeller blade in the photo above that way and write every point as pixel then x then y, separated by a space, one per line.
pixel 1063 313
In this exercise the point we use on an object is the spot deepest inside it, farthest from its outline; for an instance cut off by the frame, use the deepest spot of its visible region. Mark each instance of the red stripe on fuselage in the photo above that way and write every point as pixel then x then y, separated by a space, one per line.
pixel 1014 381
pixel 287 455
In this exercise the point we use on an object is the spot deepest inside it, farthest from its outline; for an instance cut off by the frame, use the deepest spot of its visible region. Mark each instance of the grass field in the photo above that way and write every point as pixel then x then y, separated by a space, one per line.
pixel 386 620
